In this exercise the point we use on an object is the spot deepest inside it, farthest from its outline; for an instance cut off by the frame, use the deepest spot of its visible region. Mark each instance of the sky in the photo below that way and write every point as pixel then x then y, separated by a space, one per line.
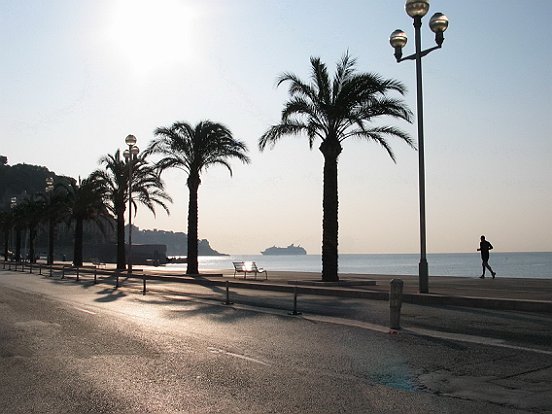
pixel 78 76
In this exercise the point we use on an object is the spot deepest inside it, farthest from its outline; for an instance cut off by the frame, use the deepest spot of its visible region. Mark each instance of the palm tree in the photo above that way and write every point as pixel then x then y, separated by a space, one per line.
pixel 31 213
pixel 18 223
pixel 55 210
pixel 332 111
pixel 194 150
pixel 84 201
pixel 6 224
pixel 147 188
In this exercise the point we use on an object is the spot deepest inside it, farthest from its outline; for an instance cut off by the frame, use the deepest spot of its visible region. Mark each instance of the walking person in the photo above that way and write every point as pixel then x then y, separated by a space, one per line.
pixel 484 247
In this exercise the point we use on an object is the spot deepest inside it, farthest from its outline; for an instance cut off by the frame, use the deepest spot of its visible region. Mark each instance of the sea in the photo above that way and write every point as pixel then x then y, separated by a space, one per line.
pixel 514 265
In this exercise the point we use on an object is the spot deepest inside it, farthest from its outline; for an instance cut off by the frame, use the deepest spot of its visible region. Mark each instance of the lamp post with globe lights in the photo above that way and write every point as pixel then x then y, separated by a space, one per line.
pixel 51 222
pixel 130 154
pixel 438 24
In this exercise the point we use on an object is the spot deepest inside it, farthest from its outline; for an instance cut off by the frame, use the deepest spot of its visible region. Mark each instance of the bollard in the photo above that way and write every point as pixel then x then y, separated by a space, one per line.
pixel 395 302
pixel 95 273
pixel 63 272
pixel 30 268
pixel 77 274
pixel 50 270
pixel 228 294
pixel 40 269
pixel 144 283
pixel 295 302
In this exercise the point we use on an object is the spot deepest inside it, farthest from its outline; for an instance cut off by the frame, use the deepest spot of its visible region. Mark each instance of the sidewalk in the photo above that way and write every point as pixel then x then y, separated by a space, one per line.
pixel 533 295
pixel 529 295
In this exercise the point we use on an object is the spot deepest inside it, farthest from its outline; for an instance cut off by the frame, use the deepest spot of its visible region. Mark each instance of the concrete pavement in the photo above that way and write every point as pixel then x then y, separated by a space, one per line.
pixel 532 295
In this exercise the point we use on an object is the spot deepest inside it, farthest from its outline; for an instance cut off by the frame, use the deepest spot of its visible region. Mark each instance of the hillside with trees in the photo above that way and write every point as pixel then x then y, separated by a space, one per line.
pixel 22 183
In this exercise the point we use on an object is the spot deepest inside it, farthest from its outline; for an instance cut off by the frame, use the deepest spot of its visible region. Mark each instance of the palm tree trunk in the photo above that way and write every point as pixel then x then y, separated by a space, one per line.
pixel 77 247
pixel 6 242
pixel 32 235
pixel 51 233
pixel 330 206
pixel 121 259
pixel 17 244
pixel 192 261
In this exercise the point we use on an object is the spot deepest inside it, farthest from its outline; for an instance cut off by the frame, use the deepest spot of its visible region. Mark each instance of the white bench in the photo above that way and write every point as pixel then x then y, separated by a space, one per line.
pixel 248 267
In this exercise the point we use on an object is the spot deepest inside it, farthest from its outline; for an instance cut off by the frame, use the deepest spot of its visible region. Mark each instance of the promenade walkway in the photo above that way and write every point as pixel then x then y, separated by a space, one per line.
pixel 533 295
pixel 499 293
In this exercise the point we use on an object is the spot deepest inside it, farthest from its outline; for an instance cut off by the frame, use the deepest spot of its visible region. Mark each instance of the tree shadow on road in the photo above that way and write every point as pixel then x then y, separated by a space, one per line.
pixel 109 295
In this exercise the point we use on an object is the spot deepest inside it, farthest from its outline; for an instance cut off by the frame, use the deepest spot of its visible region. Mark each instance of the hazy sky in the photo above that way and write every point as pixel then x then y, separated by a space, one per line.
pixel 78 76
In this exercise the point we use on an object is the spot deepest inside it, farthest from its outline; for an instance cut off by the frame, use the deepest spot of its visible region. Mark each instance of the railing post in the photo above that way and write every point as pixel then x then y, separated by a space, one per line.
pixel 395 302
pixel 294 312
pixel 228 294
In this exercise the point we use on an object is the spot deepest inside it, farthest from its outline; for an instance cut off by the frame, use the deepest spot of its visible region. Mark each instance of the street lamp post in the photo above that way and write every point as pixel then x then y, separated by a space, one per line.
pixel 16 235
pixel 438 24
pixel 51 223
pixel 130 154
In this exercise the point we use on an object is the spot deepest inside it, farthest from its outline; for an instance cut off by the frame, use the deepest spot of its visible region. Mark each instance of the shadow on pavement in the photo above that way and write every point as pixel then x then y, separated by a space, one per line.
pixel 109 295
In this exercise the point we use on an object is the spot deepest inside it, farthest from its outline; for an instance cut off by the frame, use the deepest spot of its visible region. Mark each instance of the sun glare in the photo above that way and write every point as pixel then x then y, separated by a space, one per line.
pixel 151 34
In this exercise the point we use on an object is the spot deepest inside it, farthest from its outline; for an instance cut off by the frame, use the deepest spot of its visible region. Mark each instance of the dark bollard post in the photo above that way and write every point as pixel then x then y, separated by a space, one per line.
pixel 30 268
pixel 40 269
pixel 228 294
pixel 95 273
pixel 77 274
pixel 295 302
pixel 63 272
pixel 50 270
pixel 144 283
pixel 395 302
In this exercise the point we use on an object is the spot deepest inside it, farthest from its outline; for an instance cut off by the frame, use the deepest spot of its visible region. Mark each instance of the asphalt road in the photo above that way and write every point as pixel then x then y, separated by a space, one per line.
pixel 69 347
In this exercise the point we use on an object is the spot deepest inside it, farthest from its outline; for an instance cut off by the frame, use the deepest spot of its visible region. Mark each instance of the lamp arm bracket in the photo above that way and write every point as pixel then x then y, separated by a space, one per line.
pixel 422 54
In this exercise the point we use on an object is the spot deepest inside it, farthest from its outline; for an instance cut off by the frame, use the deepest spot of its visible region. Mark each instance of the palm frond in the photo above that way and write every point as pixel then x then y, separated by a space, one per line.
pixel 276 132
